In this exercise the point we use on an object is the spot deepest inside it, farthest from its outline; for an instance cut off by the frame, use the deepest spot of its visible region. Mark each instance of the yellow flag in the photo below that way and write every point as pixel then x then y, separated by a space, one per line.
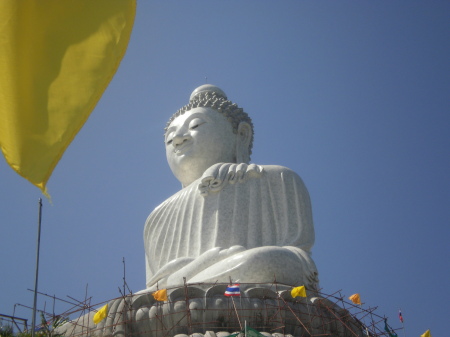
pixel 426 334
pixel 298 291
pixel 101 314
pixel 57 58
pixel 355 298
pixel 160 295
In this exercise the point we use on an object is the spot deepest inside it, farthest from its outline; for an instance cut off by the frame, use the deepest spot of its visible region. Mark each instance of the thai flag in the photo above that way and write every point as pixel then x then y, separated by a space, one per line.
pixel 400 317
pixel 233 290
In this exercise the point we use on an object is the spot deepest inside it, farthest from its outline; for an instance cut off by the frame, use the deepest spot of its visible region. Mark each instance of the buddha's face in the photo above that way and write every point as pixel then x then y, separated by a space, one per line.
pixel 196 140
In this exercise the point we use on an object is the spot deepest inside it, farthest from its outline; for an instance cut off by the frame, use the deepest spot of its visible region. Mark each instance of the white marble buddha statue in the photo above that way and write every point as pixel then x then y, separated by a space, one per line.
pixel 231 219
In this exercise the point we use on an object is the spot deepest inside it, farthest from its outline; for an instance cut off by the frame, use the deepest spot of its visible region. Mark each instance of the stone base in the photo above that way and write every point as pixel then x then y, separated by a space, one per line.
pixel 203 310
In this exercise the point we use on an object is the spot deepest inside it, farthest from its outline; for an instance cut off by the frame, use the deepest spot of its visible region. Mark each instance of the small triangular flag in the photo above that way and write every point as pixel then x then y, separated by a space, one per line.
pixel 298 292
pixel 101 314
pixel 160 295
pixel 355 298
pixel 426 334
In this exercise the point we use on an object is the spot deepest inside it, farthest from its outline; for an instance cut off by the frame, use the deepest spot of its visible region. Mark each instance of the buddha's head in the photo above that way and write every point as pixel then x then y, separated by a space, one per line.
pixel 208 130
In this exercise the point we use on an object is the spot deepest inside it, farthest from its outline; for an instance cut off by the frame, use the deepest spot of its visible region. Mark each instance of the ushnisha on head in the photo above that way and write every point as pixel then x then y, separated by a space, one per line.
pixel 208 130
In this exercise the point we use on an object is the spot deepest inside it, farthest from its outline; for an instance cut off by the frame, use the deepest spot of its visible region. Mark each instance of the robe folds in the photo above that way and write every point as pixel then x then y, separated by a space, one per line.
pixel 246 205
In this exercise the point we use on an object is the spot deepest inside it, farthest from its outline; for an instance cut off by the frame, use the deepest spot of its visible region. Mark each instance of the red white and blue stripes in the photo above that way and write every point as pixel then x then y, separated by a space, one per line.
pixel 233 290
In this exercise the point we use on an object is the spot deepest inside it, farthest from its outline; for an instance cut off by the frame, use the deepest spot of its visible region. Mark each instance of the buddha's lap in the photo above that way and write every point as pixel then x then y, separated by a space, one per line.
pixel 261 264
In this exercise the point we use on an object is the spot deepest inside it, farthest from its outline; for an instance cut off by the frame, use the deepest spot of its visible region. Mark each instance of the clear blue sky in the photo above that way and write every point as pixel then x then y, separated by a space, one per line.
pixel 352 95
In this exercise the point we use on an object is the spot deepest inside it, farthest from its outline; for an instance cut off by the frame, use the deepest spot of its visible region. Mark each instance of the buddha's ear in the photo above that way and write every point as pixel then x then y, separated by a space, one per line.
pixel 244 136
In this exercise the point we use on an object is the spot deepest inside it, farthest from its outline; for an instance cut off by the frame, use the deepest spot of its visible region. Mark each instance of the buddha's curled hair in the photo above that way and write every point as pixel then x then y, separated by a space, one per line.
pixel 210 99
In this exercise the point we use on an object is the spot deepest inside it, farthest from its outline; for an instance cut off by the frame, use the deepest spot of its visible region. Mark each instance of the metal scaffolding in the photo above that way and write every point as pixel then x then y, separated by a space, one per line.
pixel 203 309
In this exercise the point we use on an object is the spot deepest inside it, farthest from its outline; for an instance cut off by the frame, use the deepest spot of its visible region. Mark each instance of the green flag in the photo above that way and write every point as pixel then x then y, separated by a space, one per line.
pixel 389 330
pixel 253 333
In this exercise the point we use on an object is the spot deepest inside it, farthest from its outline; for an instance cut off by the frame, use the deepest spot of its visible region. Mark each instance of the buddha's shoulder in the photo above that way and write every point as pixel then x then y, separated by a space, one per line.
pixel 282 176
pixel 277 170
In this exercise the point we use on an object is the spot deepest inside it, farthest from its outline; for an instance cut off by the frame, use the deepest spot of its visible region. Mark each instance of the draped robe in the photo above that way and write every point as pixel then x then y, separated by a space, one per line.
pixel 231 205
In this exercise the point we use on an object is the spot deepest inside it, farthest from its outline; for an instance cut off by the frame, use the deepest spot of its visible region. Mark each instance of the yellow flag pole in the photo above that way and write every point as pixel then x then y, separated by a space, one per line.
pixel 33 323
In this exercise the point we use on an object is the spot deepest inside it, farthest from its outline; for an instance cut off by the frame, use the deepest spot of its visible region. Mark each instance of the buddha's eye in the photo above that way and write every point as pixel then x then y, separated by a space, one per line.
pixel 169 138
pixel 195 123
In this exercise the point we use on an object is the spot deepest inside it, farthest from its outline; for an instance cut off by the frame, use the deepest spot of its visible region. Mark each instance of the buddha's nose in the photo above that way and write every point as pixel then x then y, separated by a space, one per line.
pixel 179 139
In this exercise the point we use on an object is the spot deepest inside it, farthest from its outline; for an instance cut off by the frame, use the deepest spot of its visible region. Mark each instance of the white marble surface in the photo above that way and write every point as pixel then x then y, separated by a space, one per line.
pixel 250 223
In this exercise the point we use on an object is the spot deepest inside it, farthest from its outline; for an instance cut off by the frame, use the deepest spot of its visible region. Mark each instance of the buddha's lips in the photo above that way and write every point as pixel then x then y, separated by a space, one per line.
pixel 179 149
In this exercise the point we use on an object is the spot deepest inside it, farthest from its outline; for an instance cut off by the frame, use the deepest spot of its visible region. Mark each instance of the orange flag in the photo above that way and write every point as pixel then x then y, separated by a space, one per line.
pixel 160 295
pixel 355 298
